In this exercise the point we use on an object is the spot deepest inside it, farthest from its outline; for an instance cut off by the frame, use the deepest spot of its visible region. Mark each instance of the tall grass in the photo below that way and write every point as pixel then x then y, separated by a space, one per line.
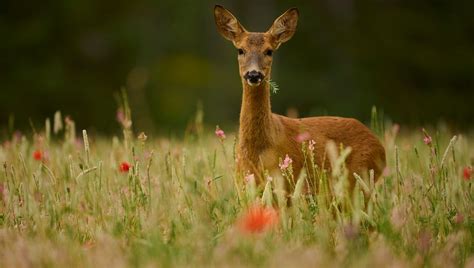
pixel 180 201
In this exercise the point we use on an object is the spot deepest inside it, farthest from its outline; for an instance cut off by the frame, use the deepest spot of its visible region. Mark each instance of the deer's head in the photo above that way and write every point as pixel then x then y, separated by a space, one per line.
pixel 255 50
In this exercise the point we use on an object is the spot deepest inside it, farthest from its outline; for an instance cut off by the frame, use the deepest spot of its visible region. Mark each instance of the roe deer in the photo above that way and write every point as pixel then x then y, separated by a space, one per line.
pixel 265 137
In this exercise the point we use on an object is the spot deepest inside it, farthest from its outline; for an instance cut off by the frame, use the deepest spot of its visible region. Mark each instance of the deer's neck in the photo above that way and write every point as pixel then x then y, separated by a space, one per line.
pixel 256 123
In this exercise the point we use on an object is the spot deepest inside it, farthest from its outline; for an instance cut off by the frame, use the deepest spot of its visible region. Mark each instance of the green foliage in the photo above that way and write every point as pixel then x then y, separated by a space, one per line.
pixel 180 202
pixel 377 122
pixel 273 86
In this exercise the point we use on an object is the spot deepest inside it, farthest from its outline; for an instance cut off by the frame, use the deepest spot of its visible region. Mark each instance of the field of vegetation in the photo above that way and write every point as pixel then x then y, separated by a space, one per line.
pixel 68 199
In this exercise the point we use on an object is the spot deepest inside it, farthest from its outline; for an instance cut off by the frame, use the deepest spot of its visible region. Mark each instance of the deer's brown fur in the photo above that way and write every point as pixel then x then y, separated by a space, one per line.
pixel 265 137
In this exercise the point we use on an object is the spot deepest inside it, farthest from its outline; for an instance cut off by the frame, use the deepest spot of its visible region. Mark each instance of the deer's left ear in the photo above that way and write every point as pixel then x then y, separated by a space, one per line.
pixel 284 26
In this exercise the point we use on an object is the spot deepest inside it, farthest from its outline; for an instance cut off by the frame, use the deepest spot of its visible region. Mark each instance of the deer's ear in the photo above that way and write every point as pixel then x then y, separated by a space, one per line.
pixel 284 26
pixel 227 25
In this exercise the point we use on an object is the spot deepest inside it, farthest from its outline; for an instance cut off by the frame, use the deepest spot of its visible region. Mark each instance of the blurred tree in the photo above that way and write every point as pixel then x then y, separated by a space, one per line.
pixel 412 59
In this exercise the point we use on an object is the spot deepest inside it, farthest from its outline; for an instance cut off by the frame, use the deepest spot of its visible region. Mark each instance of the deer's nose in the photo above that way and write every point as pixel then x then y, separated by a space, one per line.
pixel 254 77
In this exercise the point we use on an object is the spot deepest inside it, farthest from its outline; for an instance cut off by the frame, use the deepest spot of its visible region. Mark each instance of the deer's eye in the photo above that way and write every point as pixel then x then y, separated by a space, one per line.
pixel 240 51
pixel 269 52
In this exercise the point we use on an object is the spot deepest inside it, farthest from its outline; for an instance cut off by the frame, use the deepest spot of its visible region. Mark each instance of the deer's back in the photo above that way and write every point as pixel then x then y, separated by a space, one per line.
pixel 367 151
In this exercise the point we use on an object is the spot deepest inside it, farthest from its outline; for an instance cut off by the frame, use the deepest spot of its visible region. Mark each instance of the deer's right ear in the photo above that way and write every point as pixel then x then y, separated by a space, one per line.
pixel 227 25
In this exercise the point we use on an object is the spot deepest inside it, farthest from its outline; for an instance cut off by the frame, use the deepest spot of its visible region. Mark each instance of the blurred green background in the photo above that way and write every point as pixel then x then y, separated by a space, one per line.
pixel 413 59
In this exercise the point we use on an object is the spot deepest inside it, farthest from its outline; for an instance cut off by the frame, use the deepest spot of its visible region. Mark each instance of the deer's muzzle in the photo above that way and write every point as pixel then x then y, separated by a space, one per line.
pixel 253 77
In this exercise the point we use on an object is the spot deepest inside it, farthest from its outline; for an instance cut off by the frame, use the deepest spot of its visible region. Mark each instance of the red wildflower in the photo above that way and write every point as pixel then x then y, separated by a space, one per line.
pixel 38 155
pixel 124 167
pixel 259 219
pixel 467 173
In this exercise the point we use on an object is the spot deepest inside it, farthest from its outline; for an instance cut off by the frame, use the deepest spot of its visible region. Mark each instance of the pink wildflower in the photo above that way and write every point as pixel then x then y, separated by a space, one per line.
pixel 122 118
pixel 220 133
pixel 427 139
pixel 286 163
pixel 304 136
pixel 120 115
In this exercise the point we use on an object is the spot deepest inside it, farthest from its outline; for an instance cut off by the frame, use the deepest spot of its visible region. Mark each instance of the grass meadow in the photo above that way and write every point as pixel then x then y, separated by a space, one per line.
pixel 68 199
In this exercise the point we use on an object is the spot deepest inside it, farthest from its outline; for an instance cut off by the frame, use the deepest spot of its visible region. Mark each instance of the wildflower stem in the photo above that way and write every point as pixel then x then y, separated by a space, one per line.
pixel 86 146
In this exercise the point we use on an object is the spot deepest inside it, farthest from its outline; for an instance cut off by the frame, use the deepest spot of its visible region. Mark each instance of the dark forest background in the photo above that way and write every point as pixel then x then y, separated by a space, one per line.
pixel 413 59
